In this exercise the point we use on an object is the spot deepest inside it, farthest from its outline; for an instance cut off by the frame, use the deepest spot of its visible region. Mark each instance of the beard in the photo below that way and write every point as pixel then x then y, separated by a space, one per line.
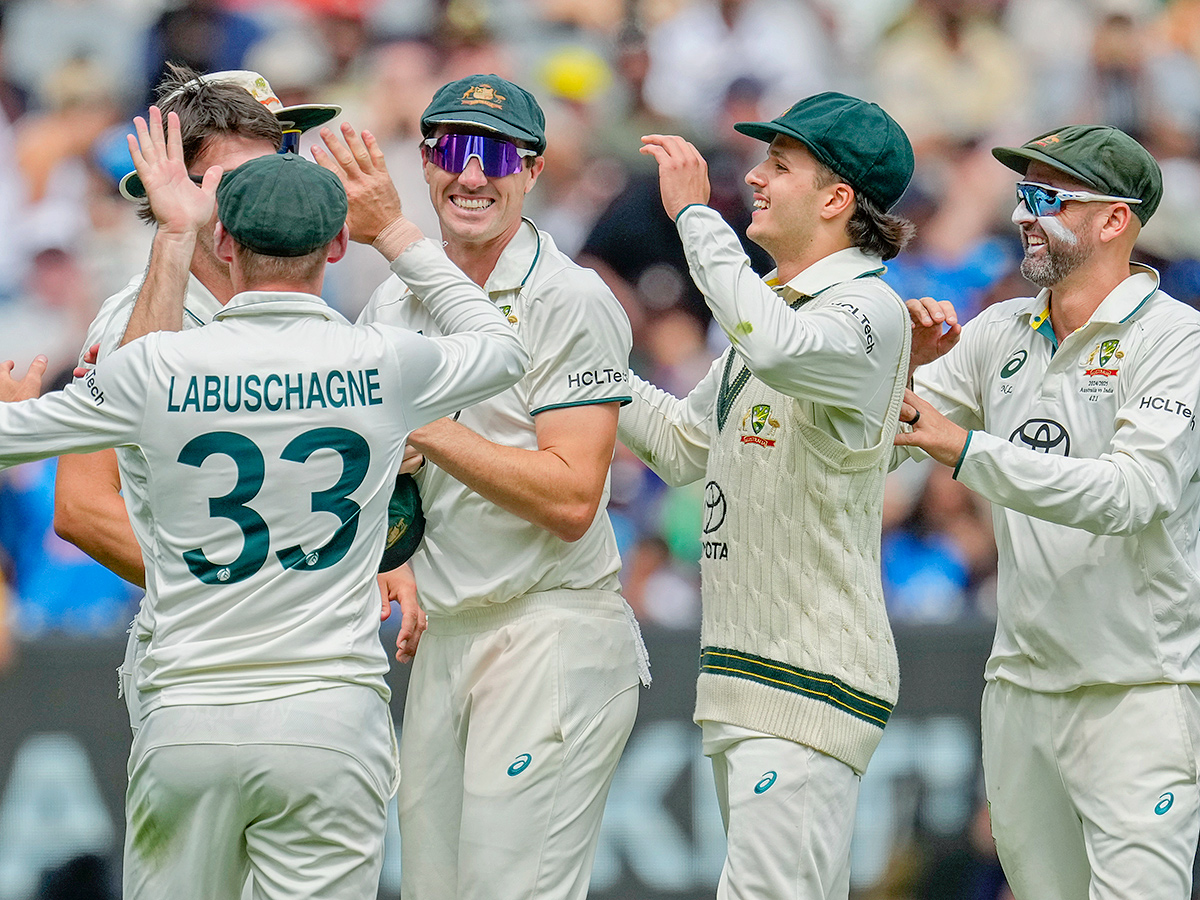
pixel 1060 259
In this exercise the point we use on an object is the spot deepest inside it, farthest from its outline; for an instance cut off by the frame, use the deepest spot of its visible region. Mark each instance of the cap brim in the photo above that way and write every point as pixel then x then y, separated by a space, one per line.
pixel 131 187
pixel 767 131
pixel 305 116
pixel 480 119
pixel 1019 158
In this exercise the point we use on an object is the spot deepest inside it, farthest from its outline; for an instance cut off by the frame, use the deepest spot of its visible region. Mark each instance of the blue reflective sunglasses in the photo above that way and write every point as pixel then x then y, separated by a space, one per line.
pixel 497 157
pixel 291 142
pixel 1044 200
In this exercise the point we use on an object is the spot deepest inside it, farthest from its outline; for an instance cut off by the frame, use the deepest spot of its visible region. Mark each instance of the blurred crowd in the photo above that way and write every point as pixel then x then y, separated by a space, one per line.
pixel 960 75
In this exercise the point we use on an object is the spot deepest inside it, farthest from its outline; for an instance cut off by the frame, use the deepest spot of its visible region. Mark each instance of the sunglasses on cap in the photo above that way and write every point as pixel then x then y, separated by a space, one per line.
pixel 497 157
pixel 1044 200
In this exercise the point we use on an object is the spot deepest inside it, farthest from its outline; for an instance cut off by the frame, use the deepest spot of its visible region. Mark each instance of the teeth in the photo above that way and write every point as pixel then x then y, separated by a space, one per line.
pixel 465 203
pixel 761 204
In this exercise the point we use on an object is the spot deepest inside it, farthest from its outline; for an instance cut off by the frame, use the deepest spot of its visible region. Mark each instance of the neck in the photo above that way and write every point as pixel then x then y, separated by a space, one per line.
pixel 791 266
pixel 213 275
pixel 1074 299
pixel 478 260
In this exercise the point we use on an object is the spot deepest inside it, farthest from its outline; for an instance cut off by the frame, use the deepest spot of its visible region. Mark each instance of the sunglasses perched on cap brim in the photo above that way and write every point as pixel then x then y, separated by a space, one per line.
pixel 497 157
pixel 1044 200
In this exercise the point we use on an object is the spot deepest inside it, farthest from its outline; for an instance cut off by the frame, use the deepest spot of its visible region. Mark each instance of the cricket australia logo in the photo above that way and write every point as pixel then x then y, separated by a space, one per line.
pixel 758 427
pixel 1106 357
pixel 507 310
pixel 483 95
pixel 1044 436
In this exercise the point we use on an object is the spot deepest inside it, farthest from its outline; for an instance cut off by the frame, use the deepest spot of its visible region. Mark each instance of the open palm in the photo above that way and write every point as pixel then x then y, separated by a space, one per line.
pixel 178 202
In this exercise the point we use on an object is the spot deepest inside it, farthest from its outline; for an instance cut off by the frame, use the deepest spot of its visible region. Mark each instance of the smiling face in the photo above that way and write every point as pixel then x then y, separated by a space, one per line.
pixel 476 211
pixel 789 195
pixel 1055 246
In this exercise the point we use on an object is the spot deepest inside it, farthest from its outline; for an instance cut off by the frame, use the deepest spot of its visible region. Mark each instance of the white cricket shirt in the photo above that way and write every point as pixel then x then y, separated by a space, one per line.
pixel 476 554
pixel 1088 450
pixel 271 439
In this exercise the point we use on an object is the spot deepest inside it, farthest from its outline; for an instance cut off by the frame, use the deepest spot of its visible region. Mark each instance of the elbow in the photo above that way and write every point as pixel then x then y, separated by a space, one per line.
pixel 69 519
pixel 573 521
pixel 769 364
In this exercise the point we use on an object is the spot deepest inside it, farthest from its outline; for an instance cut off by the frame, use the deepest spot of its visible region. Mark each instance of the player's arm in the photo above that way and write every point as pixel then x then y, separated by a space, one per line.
pixel 1154 451
pixel 90 512
pixel 181 209
pixel 556 487
pixel 670 434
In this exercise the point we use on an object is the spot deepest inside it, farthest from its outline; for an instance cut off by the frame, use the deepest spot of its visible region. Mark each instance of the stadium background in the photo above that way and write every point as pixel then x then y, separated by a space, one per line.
pixel 960 75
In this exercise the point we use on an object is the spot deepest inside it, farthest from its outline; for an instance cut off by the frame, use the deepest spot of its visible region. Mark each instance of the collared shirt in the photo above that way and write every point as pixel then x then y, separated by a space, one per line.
pixel 831 336
pixel 1088 451
pixel 271 439
pixel 474 553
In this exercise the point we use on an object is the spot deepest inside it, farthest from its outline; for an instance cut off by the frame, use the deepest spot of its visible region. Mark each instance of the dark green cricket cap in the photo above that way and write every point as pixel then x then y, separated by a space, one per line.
pixel 1100 156
pixel 406 524
pixel 489 102
pixel 856 139
pixel 281 205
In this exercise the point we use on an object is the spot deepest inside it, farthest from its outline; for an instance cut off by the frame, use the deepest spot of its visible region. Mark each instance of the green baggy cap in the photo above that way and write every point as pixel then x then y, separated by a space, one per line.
pixel 1100 156
pixel 406 524
pixel 856 139
pixel 489 102
pixel 281 205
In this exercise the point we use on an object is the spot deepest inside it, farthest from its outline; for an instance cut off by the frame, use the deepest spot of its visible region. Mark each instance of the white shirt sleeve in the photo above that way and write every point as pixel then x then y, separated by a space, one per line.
pixel 670 435
pixel 1154 452
pixel 838 355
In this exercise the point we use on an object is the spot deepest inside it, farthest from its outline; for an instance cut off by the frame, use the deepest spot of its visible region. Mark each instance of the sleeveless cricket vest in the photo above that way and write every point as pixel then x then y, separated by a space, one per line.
pixel 795 639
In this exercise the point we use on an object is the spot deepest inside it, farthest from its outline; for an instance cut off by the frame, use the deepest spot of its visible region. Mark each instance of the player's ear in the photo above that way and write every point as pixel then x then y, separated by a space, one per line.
pixel 223 244
pixel 337 247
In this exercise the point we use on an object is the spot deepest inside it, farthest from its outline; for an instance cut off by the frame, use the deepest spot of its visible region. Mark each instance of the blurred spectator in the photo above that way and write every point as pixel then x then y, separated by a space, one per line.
pixel 936 558
pixel 7 641
pixel 659 590
pixel 51 315
pixel 699 52
pixel 86 877
pixel 950 75
pixel 201 34
pixel 966 868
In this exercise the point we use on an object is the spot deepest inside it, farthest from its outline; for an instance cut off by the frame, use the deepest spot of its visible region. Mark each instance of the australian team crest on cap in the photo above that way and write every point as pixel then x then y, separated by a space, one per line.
pixel 758 426
pixel 483 95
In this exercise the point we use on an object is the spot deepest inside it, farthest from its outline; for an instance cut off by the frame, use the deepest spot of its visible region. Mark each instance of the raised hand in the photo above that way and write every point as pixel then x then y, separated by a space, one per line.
pixel 359 163
pixel 28 387
pixel 935 329
pixel 682 171
pixel 180 205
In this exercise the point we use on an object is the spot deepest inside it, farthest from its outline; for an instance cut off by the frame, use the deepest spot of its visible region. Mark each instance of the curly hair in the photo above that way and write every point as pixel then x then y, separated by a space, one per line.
pixel 870 229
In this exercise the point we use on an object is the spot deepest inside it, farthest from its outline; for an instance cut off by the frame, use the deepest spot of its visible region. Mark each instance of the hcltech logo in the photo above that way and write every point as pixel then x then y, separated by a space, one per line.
pixel 1164 803
pixel 765 782
pixel 520 764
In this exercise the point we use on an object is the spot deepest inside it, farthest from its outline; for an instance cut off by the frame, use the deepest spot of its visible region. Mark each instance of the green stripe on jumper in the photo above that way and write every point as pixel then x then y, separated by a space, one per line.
pixel 826 688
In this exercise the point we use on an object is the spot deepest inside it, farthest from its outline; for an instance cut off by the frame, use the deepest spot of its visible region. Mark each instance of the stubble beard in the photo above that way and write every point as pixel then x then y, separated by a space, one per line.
pixel 1058 261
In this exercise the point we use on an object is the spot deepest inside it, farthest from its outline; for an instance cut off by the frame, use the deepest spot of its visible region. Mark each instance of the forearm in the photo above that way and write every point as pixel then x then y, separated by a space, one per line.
pixel 90 513
pixel 540 486
pixel 658 429
pixel 159 305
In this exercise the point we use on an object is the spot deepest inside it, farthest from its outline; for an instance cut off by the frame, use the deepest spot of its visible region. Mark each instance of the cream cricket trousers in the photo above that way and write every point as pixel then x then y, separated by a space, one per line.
pixel 789 816
pixel 514 722
pixel 1093 792
pixel 290 794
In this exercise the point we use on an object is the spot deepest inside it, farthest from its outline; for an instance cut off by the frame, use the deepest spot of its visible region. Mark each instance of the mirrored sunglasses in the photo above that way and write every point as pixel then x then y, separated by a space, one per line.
pixel 291 142
pixel 1044 200
pixel 497 157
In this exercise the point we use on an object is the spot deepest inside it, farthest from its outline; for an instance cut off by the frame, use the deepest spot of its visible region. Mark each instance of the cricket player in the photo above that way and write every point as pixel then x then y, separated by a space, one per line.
pixel 526 685
pixel 270 440
pixel 1073 411
pixel 792 431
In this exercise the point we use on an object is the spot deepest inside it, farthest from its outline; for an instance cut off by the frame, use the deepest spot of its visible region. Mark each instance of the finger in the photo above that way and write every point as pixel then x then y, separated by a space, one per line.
pixel 946 308
pixel 357 147
pixel 386 607
pixel 212 178
pixel 7 366
pixel 139 141
pixel 93 354
pixel 659 154
pixel 174 137
pixel 373 148
pixel 158 138
pixel 37 368
pixel 339 151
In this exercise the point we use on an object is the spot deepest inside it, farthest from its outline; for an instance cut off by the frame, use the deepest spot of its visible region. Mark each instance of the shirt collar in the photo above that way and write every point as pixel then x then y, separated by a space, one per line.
pixel 517 260
pixel 200 305
pixel 1121 305
pixel 844 265
pixel 278 303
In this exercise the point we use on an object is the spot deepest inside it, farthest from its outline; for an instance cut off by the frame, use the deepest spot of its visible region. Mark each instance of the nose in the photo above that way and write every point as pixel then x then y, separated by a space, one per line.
pixel 472 176
pixel 753 178
pixel 1022 214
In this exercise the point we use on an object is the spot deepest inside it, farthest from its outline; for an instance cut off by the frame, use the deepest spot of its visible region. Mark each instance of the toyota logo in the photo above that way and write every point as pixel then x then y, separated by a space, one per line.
pixel 714 507
pixel 1044 436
